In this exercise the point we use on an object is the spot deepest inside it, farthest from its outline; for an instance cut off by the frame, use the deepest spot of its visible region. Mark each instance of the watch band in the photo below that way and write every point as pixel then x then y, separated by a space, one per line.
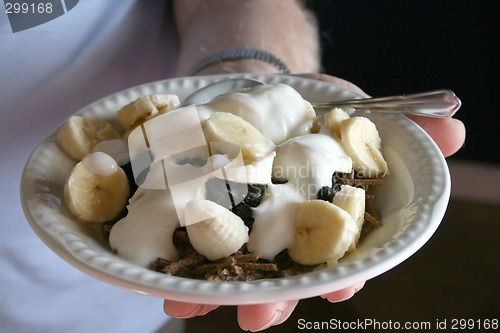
pixel 240 53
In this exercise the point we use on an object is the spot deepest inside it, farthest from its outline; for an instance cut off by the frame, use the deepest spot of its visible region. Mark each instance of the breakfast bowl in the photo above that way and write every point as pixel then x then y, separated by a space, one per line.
pixel 411 204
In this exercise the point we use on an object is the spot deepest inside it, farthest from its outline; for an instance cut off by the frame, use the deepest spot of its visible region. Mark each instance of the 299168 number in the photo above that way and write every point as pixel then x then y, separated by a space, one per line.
pixel 25 8
pixel 474 324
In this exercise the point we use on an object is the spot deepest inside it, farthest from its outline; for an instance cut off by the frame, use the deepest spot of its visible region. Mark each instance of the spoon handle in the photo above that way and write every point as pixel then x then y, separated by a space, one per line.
pixel 437 103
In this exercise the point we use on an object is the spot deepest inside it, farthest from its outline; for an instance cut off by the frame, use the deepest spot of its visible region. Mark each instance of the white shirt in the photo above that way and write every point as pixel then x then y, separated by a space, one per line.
pixel 47 73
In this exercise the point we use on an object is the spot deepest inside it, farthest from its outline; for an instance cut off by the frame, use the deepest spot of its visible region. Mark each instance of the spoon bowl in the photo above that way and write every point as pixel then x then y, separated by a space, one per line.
pixel 207 93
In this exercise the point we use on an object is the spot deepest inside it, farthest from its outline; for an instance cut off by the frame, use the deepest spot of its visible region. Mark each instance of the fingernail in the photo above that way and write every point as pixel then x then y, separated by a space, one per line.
pixel 342 296
pixel 359 286
pixel 189 314
pixel 274 320
pixel 347 296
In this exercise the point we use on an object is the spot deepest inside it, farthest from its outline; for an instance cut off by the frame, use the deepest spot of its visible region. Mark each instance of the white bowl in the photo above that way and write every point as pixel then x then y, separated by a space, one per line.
pixel 412 203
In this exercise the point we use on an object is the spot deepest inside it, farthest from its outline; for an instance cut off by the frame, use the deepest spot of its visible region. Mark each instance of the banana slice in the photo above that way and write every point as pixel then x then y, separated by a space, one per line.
pixel 80 134
pixel 362 143
pixel 352 200
pixel 97 189
pixel 227 127
pixel 323 233
pixel 213 230
pixel 258 172
pixel 145 108
pixel 116 148
pixel 334 119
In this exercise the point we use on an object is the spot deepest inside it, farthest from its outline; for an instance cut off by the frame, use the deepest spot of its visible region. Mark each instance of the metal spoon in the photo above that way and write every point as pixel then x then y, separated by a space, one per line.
pixel 205 94
pixel 437 103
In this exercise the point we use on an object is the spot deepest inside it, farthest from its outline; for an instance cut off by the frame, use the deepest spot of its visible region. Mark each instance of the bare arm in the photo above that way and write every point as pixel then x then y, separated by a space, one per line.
pixel 281 27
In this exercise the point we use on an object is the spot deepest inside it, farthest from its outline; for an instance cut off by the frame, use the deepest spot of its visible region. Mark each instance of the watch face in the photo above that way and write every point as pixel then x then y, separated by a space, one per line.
pixel 27 14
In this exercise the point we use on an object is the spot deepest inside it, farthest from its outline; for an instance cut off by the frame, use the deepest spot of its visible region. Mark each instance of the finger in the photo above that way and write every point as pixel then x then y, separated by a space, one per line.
pixel 183 310
pixel 343 294
pixel 448 133
pixel 259 317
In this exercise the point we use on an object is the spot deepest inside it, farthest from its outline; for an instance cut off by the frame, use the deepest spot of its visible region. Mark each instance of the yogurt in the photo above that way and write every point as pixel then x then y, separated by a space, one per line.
pixel 273 229
pixel 146 232
pixel 277 111
pixel 100 164
pixel 309 161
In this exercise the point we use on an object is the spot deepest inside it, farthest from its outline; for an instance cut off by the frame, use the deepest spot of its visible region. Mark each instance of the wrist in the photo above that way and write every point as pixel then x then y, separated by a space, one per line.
pixel 282 28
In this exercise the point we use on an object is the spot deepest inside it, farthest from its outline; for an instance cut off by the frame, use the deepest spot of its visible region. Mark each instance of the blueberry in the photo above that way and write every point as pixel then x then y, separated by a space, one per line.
pixel 278 181
pixel 222 192
pixel 337 177
pixel 326 193
pixel 255 194
pixel 243 210
pixel 131 179
pixel 337 180
pixel 229 194
pixel 245 213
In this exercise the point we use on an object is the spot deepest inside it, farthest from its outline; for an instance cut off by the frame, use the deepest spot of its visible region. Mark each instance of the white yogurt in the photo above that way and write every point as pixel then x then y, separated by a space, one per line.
pixel 100 164
pixel 277 111
pixel 309 161
pixel 146 232
pixel 273 229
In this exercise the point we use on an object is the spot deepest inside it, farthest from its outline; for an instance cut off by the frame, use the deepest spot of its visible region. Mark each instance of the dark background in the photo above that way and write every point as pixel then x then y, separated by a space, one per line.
pixel 395 47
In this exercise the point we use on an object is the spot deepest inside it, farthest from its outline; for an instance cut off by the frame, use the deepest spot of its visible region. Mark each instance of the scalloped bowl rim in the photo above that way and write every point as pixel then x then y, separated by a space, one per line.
pixel 427 188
